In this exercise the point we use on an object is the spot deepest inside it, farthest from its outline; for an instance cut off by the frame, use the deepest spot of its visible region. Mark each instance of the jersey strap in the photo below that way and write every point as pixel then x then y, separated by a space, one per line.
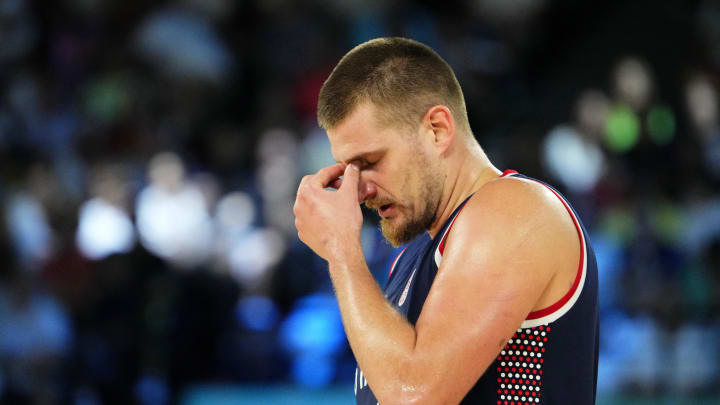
pixel 555 311
pixel 394 263
pixel 441 247
pixel 562 306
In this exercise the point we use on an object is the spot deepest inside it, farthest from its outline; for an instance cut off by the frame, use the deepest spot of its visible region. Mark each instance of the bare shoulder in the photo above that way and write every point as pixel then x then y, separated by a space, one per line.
pixel 506 255
pixel 514 201
pixel 508 214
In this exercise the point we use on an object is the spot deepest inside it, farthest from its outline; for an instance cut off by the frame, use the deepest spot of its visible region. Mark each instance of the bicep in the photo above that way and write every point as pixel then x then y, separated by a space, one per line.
pixel 483 291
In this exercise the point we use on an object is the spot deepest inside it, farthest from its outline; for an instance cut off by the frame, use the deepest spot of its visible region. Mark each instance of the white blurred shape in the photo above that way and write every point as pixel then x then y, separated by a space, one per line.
pixel 276 141
pixel 575 161
pixel 695 361
pixel 166 170
pixel 172 215
pixel 235 211
pixel 280 216
pixel 593 108
pixel 278 178
pixel 174 225
pixel 315 151
pixel 702 225
pixel 278 170
pixel 28 227
pixel 103 229
pixel 252 256
pixel 702 103
pixel 633 82
pixel 184 45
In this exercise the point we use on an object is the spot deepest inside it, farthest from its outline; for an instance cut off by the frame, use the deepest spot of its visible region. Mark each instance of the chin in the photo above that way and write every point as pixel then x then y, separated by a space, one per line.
pixel 398 234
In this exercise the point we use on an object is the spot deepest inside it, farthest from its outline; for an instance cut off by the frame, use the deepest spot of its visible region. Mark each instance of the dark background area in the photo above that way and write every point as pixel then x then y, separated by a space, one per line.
pixel 150 154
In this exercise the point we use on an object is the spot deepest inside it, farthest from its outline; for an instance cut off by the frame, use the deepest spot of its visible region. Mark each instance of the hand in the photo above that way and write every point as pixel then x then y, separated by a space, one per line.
pixel 329 221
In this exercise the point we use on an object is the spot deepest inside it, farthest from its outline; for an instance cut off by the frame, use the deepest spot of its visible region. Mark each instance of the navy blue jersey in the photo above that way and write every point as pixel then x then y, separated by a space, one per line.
pixel 552 357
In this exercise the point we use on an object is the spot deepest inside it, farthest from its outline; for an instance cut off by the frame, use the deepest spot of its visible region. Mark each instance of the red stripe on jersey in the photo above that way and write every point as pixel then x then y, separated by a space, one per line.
pixel 554 307
pixel 441 248
pixel 392 267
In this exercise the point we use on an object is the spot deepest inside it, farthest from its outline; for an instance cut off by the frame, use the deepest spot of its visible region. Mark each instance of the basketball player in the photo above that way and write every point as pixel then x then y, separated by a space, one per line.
pixel 493 300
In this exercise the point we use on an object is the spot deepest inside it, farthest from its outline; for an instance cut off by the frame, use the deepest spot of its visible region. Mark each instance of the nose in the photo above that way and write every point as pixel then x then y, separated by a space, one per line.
pixel 366 189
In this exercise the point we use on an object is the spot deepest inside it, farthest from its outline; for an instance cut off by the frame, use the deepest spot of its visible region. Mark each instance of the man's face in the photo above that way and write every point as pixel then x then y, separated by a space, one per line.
pixel 398 176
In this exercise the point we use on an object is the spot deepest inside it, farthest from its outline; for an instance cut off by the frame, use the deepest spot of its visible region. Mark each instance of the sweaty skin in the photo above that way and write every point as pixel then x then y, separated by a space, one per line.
pixel 483 290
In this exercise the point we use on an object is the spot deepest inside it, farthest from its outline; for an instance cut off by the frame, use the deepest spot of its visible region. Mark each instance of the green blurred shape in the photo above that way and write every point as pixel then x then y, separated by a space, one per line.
pixel 668 221
pixel 697 290
pixel 107 97
pixel 619 224
pixel 622 129
pixel 661 124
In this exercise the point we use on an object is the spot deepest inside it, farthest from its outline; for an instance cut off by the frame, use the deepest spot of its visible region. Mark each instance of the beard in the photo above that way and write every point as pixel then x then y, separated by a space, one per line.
pixel 415 222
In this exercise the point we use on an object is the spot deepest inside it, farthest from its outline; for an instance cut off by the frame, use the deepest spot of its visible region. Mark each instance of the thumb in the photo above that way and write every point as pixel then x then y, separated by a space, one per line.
pixel 350 181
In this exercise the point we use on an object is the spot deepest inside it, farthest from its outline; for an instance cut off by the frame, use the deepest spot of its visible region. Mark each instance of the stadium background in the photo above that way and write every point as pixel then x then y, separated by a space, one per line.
pixel 149 154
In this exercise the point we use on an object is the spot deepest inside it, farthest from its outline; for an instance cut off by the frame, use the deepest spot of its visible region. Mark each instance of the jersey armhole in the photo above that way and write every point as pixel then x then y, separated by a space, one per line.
pixel 441 247
pixel 394 263
pixel 565 303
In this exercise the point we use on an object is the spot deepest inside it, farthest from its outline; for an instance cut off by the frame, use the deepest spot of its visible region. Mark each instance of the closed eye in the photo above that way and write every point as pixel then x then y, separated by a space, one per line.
pixel 365 164
pixel 366 160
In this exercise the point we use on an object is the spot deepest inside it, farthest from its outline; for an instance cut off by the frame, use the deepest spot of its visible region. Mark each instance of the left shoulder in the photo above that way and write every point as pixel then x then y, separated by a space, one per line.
pixel 509 211
pixel 515 200
pixel 499 263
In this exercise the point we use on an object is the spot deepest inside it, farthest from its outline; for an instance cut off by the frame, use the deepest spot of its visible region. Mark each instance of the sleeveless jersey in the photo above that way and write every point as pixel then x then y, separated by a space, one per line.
pixel 552 357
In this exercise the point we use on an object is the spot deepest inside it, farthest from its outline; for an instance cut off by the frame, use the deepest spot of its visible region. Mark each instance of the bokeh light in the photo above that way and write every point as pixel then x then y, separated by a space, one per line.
pixel 150 155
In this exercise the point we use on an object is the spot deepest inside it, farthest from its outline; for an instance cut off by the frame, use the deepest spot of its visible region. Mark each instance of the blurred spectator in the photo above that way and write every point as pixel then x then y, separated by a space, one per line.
pixel 104 226
pixel 133 272
pixel 702 105
pixel 172 216
pixel 571 154
pixel 34 340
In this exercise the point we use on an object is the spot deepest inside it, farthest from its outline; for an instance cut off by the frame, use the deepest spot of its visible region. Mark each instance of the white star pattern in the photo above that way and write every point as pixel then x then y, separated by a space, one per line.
pixel 519 367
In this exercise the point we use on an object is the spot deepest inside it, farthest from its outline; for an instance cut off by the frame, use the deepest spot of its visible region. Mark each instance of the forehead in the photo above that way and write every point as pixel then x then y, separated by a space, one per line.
pixel 360 133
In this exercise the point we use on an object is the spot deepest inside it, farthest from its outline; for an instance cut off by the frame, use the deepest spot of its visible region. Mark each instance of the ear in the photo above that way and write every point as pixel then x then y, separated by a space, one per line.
pixel 440 125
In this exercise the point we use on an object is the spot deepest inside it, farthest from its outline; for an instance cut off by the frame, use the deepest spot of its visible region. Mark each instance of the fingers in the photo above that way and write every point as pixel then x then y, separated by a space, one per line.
pixel 350 180
pixel 326 176
pixel 336 184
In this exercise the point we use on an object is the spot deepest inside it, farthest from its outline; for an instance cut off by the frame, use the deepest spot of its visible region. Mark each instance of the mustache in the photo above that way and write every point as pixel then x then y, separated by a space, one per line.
pixel 377 203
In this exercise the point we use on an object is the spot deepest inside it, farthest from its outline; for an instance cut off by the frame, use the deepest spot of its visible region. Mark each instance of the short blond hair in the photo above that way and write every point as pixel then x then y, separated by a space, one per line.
pixel 402 77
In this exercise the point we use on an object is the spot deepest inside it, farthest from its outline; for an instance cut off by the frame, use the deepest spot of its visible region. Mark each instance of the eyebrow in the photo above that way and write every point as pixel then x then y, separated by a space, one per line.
pixel 364 155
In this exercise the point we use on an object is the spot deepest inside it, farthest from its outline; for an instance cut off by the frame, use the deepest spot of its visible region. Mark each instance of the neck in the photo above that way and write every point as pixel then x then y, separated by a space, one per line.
pixel 465 177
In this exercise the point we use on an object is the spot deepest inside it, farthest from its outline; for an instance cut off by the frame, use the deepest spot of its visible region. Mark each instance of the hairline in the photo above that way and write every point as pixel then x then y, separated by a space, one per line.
pixel 394 118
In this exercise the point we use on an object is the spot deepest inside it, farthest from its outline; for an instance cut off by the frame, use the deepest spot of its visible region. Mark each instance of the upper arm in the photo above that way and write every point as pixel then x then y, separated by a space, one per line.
pixel 500 256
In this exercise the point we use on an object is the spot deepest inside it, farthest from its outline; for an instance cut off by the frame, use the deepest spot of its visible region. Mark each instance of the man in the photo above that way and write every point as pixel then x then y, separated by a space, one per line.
pixel 497 303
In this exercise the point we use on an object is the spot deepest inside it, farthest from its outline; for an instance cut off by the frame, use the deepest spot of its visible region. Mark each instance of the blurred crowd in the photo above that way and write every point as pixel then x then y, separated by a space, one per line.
pixel 150 153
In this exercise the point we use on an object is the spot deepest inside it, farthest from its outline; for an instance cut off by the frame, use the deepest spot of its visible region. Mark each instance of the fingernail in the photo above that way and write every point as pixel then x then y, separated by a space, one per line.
pixel 354 167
